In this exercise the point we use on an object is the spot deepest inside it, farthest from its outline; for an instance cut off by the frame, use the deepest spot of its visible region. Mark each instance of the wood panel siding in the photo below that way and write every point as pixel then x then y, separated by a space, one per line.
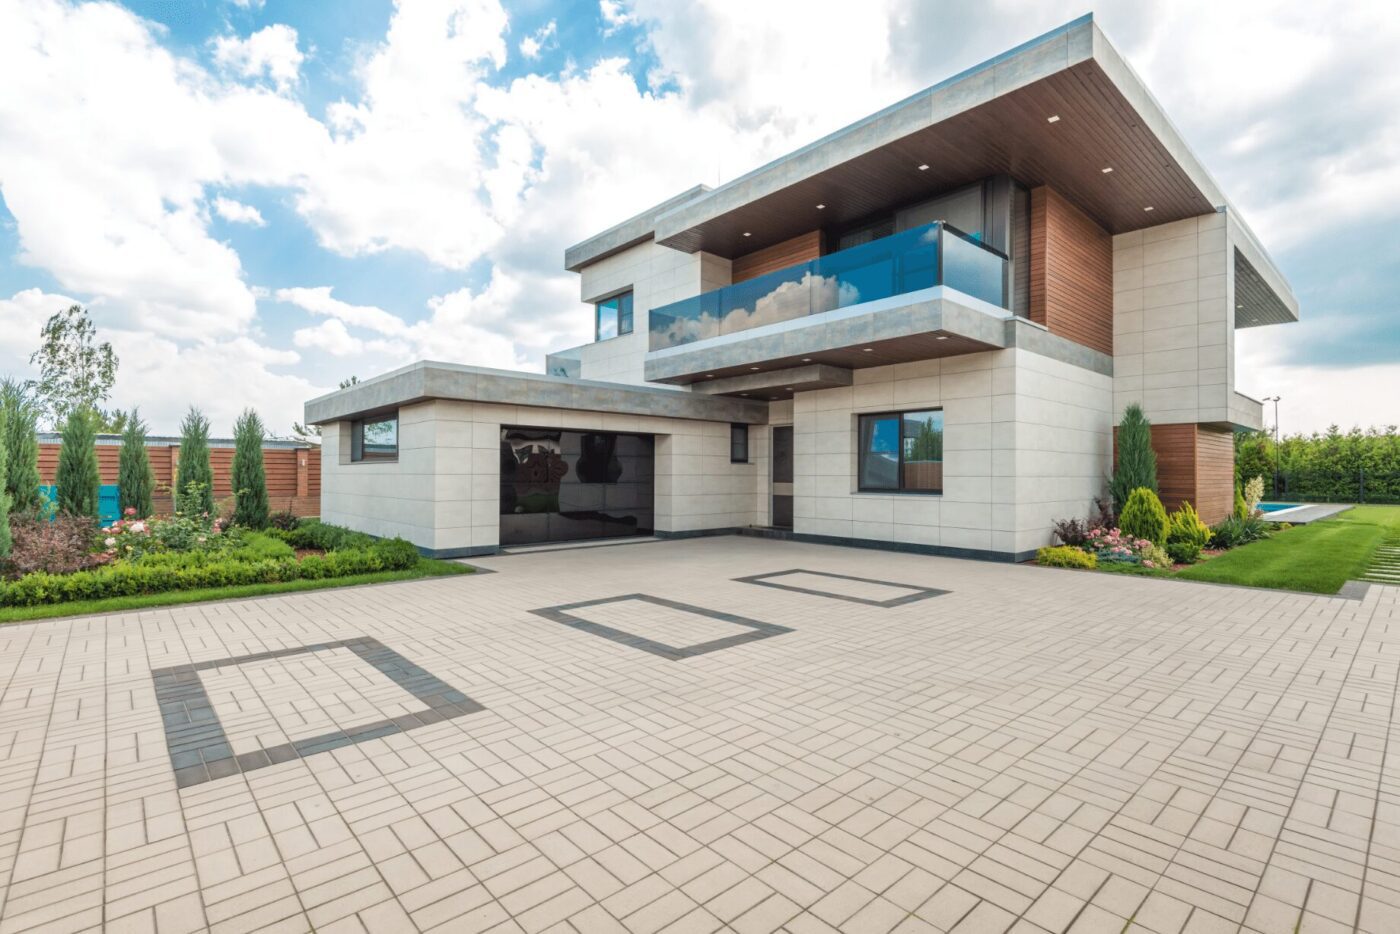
pixel 293 474
pixel 799 249
pixel 1215 474
pixel 1071 272
pixel 1195 464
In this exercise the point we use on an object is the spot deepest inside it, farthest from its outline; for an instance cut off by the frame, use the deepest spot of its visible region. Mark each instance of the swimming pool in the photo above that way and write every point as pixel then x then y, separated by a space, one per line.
pixel 1277 507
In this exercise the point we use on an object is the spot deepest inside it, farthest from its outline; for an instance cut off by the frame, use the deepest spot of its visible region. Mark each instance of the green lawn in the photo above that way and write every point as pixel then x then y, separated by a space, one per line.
pixel 1318 557
pixel 426 567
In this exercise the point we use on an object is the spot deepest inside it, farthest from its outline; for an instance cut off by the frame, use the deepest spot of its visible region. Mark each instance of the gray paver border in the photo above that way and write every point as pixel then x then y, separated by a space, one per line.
pixel 919 591
pixel 199 747
pixel 758 630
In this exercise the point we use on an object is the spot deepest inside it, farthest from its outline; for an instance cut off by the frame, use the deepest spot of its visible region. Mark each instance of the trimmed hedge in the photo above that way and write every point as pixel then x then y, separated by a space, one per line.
pixel 312 533
pixel 196 570
pixel 1064 556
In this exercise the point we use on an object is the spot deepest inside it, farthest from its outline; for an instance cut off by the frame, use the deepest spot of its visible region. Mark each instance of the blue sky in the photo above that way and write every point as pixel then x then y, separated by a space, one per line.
pixel 256 199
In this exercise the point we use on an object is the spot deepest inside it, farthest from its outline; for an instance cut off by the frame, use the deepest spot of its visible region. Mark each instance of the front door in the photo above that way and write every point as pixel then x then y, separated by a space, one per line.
pixel 782 477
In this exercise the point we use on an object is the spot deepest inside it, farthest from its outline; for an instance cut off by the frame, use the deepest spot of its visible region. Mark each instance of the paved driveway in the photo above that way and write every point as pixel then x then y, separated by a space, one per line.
pixel 635 738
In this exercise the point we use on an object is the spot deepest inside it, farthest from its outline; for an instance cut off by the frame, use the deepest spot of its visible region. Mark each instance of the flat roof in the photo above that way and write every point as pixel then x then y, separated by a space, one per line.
pixel 994 118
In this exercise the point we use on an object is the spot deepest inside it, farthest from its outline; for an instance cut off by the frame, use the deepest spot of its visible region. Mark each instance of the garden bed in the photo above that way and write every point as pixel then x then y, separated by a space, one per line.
pixel 66 566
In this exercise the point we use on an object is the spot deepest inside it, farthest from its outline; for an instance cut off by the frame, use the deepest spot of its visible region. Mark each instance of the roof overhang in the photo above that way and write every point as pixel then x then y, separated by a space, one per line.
pixel 994 118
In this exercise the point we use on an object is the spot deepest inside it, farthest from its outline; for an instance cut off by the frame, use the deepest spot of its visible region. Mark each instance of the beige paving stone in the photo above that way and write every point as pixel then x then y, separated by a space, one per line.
pixel 1033 751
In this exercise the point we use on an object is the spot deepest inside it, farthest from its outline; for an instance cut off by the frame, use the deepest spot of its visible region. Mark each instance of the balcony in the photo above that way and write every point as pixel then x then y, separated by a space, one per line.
pixel 910 261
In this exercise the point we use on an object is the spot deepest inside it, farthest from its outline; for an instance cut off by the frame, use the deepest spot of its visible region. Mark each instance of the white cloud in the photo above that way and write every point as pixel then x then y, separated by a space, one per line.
pixel 270 52
pixel 236 212
pixel 539 40
pixel 615 15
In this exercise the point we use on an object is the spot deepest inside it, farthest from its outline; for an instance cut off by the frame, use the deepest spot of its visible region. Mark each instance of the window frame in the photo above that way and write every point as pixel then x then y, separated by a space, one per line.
pixel 357 439
pixel 899 416
pixel 627 315
pixel 734 429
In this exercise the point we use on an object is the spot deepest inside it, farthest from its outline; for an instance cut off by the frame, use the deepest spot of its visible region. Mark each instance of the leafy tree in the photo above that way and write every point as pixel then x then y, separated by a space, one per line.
pixel 194 481
pixel 249 478
pixel 77 478
pixel 1143 516
pixel 1254 455
pixel 75 371
pixel 928 443
pixel 4 496
pixel 21 478
pixel 1137 464
pixel 135 479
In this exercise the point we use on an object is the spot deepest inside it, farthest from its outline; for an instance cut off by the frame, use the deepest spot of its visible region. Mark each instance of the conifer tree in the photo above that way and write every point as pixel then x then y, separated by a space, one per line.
pixel 1137 464
pixel 21 443
pixel 77 480
pixel 194 481
pixel 249 477
pixel 135 479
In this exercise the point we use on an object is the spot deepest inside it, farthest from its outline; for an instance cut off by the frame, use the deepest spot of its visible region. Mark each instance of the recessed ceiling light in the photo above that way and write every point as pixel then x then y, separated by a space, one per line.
pixel 1053 118
pixel 941 337
pixel 753 368
pixel 868 349
pixel 924 167
pixel 743 394
pixel 806 359
pixel 1106 169
pixel 787 388
pixel 709 376
pixel 1148 208
pixel 747 234
pixel 821 207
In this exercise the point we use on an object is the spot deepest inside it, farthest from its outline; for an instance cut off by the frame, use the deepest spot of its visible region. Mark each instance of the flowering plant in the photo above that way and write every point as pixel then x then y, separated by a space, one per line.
pixel 1111 546
pixel 129 537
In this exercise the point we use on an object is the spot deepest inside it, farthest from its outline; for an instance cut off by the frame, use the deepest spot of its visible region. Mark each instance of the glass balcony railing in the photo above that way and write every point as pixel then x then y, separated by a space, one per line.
pixel 935 254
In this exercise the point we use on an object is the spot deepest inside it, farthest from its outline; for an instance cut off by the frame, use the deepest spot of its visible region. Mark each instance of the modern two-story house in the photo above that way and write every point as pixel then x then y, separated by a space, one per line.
pixel 916 333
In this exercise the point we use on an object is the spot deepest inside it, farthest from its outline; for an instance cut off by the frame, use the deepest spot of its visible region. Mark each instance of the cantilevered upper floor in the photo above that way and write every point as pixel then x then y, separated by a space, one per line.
pixel 1043 193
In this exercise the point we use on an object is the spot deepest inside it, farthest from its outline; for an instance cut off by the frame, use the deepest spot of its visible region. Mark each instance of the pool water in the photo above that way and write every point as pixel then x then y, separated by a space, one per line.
pixel 1275 507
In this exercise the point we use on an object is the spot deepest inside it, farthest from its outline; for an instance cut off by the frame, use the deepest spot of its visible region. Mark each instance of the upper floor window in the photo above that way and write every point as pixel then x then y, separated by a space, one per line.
pixel 614 316
pixel 902 452
pixel 375 439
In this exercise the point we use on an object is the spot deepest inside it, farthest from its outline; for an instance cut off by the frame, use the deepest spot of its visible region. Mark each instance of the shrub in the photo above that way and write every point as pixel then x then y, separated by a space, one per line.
pixel 1187 528
pixel 1064 556
pixel 1075 532
pixel 4 496
pixel 59 545
pixel 76 478
pixel 1137 464
pixel 136 481
pixel 1114 546
pixel 1184 552
pixel 1234 531
pixel 312 533
pixel 1241 507
pixel 286 520
pixel 21 443
pixel 249 476
pixel 160 573
pixel 194 481
pixel 1144 517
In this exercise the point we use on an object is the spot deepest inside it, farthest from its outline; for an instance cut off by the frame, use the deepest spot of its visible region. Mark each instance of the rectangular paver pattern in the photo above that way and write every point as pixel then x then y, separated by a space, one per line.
pixel 1032 751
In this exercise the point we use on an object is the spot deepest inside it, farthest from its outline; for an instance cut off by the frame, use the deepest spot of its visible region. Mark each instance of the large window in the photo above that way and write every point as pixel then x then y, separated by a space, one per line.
pixel 614 316
pixel 738 444
pixel 902 452
pixel 375 439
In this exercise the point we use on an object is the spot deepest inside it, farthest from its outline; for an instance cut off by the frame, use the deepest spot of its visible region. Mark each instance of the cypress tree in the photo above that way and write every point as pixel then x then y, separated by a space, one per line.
pixel 77 478
pixel 4 496
pixel 1137 464
pixel 194 482
pixel 135 478
pixel 249 477
pixel 21 443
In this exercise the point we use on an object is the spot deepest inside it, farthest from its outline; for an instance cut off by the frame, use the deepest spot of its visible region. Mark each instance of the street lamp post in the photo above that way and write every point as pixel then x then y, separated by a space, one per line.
pixel 1274 400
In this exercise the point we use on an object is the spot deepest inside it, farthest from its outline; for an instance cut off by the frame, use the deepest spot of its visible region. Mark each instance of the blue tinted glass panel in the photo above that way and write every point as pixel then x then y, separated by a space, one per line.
pixel 974 270
pixel 879 452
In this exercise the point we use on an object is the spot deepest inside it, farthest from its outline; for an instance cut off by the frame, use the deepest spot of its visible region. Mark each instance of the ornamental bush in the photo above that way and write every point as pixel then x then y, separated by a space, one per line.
pixel 1234 531
pixel 1144 517
pixel 1065 556
pixel 194 571
pixel 136 481
pixel 21 442
pixel 1137 463
pixel 249 476
pixel 1241 507
pixel 1187 528
pixel 194 481
pixel 1253 493
pixel 4 496
pixel 76 478
pixel 1184 552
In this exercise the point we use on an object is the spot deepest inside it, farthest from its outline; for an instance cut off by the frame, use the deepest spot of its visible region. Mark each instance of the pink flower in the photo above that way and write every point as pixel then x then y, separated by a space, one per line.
pixel 129 511
pixel 138 526
pixel 110 541
pixel 1148 564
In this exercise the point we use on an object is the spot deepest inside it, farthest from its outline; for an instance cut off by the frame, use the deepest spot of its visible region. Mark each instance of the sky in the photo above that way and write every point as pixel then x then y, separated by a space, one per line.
pixel 259 198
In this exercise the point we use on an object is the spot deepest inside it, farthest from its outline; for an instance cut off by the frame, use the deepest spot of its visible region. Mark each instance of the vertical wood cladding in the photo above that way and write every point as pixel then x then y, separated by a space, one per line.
pixel 1071 261
pixel 799 249
pixel 1195 464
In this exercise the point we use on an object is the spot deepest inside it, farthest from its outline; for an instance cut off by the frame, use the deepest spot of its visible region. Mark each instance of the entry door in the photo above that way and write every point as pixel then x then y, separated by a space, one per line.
pixel 782 477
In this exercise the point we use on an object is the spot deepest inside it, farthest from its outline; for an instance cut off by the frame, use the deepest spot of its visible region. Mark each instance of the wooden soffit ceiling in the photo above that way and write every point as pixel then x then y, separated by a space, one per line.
pixel 1011 134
